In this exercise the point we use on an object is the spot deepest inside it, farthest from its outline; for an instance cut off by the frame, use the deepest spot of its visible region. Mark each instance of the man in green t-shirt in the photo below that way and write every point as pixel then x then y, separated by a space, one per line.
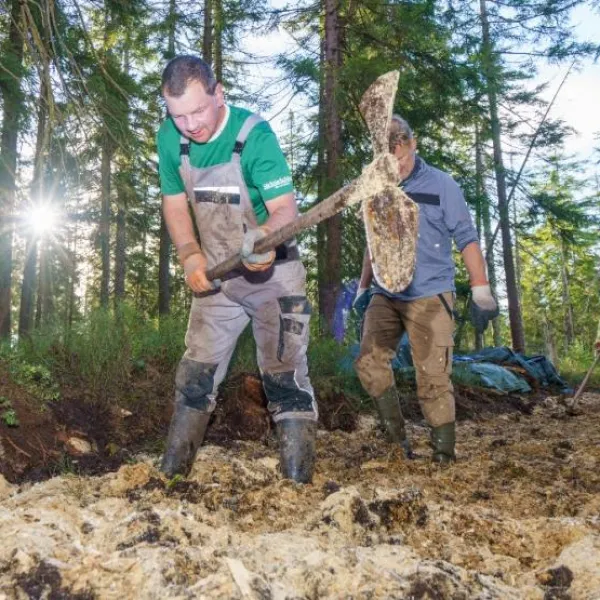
pixel 227 164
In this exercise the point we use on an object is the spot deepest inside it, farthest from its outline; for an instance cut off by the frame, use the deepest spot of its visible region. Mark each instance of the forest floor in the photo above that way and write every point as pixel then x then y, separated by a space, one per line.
pixel 85 514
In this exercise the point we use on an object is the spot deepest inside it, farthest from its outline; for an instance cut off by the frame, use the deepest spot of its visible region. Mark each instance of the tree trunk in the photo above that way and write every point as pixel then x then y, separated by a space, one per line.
pixel 141 276
pixel 72 276
pixel 489 246
pixel 207 32
pixel 514 309
pixel 121 247
pixel 12 96
pixel 125 189
pixel 218 40
pixel 331 232
pixel 28 286
pixel 105 217
pixel 549 342
pixel 38 305
pixel 164 249
pixel 566 297
pixel 44 304
pixel 518 266
pixel 107 154
pixel 491 266
pixel 481 199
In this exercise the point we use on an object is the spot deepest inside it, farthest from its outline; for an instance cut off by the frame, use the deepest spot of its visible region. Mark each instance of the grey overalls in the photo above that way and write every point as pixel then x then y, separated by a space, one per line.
pixel 274 301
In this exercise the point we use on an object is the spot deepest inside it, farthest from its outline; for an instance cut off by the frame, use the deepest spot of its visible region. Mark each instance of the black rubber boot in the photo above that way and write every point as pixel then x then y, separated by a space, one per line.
pixel 186 433
pixel 390 413
pixel 443 441
pixel 296 448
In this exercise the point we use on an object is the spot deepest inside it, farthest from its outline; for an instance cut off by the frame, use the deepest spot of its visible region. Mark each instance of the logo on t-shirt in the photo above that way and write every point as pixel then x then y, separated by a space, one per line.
pixel 277 183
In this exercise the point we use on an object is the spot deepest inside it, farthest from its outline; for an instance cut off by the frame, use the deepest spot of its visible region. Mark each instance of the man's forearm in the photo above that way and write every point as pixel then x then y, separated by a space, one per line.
pixel 475 264
pixel 366 275
pixel 180 225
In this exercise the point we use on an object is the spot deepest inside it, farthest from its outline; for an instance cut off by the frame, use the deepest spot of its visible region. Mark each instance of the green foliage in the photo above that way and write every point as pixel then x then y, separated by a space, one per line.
pixel 35 377
pixel 560 287
pixel 8 414
pixel 10 418
pixel 575 362
pixel 330 367
pixel 101 352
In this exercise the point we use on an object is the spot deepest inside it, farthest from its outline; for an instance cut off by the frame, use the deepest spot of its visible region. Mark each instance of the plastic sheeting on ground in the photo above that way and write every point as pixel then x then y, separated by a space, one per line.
pixel 486 368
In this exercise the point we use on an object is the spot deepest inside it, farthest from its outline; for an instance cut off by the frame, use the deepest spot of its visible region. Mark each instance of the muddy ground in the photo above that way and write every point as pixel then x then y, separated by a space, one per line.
pixel 516 517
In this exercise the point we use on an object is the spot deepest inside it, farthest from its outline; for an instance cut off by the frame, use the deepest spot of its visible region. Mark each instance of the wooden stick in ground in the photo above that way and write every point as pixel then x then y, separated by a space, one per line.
pixel 585 380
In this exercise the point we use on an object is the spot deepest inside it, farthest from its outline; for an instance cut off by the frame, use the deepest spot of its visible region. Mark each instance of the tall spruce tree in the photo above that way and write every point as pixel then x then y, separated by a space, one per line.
pixel 11 76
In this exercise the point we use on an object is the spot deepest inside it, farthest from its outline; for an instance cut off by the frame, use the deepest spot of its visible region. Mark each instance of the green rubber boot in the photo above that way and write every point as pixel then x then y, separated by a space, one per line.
pixel 186 433
pixel 443 441
pixel 390 413
pixel 296 448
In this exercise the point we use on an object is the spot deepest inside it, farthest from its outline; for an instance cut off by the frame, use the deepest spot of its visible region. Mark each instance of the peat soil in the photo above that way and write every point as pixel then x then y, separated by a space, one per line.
pixel 88 435
pixel 84 512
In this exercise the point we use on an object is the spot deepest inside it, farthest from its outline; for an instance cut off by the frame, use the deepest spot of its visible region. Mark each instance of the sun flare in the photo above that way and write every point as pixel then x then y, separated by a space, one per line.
pixel 43 219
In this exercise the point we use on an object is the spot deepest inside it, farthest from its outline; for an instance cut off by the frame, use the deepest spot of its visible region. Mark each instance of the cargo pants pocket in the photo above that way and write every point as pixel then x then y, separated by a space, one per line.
pixel 294 316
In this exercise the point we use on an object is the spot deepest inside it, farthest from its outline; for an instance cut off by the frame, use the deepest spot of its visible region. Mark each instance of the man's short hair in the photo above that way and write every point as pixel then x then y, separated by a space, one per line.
pixel 400 132
pixel 182 70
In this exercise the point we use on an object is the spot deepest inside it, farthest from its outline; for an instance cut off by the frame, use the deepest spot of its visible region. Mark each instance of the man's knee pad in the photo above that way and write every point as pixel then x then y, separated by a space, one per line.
pixel 286 398
pixel 194 384
pixel 374 370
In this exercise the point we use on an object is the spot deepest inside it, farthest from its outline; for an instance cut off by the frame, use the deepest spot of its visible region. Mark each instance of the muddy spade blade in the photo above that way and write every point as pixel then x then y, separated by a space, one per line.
pixel 392 224
pixel 376 107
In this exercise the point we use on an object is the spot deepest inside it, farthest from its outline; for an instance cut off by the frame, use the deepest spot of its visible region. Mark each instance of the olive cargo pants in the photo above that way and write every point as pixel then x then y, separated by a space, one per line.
pixel 430 328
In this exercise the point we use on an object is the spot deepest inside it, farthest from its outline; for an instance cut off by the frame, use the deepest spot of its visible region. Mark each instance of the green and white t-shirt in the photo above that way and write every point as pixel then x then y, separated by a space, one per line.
pixel 264 166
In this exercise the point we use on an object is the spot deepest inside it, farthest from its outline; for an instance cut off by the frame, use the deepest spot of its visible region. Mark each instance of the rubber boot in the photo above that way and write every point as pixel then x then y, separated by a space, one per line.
pixel 443 441
pixel 186 433
pixel 388 406
pixel 296 448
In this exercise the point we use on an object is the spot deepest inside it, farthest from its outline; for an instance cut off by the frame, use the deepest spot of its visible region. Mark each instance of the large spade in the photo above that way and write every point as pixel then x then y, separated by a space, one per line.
pixel 391 218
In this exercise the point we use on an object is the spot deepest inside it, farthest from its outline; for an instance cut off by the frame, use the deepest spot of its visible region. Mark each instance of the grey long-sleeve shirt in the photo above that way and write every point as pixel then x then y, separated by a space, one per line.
pixel 443 217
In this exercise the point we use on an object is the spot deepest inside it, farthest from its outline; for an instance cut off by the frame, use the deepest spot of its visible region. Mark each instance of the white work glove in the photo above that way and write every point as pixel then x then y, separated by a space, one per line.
pixel 484 307
pixel 256 262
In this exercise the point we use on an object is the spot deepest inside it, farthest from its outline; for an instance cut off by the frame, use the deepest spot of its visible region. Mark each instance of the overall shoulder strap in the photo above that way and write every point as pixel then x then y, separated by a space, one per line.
pixel 184 155
pixel 242 136
pixel 184 146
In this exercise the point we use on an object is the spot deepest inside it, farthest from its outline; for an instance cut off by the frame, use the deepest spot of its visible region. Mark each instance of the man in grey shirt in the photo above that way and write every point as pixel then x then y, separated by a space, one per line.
pixel 424 308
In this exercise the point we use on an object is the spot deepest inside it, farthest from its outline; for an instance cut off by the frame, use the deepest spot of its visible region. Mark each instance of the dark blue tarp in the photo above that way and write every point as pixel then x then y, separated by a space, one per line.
pixel 489 376
pixel 538 367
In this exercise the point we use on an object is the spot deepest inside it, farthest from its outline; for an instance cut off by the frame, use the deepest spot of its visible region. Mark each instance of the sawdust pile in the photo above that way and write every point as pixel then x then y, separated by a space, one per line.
pixel 517 517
